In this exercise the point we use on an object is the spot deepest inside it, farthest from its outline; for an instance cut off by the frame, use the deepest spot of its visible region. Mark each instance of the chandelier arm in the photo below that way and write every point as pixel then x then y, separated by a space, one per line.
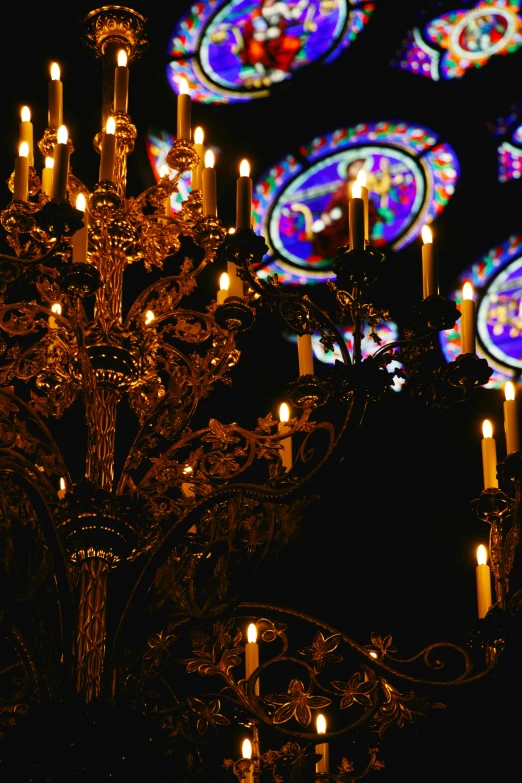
pixel 139 305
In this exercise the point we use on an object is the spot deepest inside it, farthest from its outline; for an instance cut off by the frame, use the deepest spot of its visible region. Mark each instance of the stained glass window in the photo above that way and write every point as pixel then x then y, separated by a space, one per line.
pixel 300 204
pixel 497 277
pixel 449 45
pixel 510 156
pixel 236 50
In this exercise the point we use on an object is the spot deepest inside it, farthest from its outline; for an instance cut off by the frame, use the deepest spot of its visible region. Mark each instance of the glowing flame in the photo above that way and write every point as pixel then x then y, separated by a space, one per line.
pixel 62 483
pixel 23 150
pixel 164 171
pixel 251 637
pixel 361 178
pixel 209 159
pixel 149 317
pixel 356 190
pixel 81 202
pixel 467 291
pixel 284 412
pixel 55 72
pixel 122 58
pixel 427 236
pixel 482 555
pixel 62 135
pixel 321 724
pixel 246 749
pixel 187 469
pixel 183 86
pixel 26 114
pixel 199 136
pixel 224 282
pixel 509 391
pixel 244 168
pixel 487 429
pixel 373 654
pixel 110 127
pixel 232 230
pixel 56 308
pixel 49 163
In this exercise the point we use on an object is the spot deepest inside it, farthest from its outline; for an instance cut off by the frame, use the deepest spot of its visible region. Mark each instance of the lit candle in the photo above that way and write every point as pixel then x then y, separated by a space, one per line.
pixel 208 180
pixel 80 238
pixel 305 354
pixel 61 165
pixel 361 180
pixel 197 173
pixel 55 308
pixel 165 172
pixel 467 322
pixel 429 267
pixel 55 97
pixel 62 491
pixel 121 83
pixel 489 456
pixel 223 288
pixel 286 443
pixel 108 152
pixel 149 317
pixel 184 110
pixel 356 218
pixel 47 176
pixel 483 573
pixel 21 174
pixel 26 132
pixel 511 419
pixel 323 764
pixel 252 654
pixel 246 753
pixel 244 197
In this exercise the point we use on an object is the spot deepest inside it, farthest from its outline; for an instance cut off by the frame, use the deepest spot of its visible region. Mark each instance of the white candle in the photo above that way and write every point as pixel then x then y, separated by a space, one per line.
pixel 511 419
pixel 108 152
pixel 244 197
pixel 467 321
pixel 305 354
pixel 184 111
pixel 197 173
pixel 429 267
pixel 121 83
pixel 62 491
pixel 21 174
pixel 323 765
pixel 47 176
pixel 80 238
pixel 286 443
pixel 483 574
pixel 489 456
pixel 356 218
pixel 223 288
pixel 55 308
pixel 55 97
pixel 208 180
pixel 361 180
pixel 246 753
pixel 61 165
pixel 252 654
pixel 165 172
pixel 26 132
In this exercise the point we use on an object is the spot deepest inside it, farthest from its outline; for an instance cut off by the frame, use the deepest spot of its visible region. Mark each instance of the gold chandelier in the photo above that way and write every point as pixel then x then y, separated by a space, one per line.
pixel 196 506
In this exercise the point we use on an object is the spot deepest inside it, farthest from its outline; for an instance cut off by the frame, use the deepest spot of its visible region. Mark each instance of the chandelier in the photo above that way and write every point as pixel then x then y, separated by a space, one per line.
pixel 121 582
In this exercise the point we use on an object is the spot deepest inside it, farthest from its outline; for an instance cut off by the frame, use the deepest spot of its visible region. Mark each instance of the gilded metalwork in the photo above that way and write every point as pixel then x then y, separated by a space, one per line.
pixel 115 24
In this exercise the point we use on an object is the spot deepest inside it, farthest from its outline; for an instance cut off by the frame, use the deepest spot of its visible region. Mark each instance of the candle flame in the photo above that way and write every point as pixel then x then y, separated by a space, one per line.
pixel 110 127
pixel 321 724
pixel 122 58
pixel 149 317
pixel 62 135
pixel 356 190
pixel 199 136
pixel 23 150
pixel 224 282
pixel 361 178
pixel 49 163
pixel 232 230
pixel 251 637
pixel 188 468
pixel 246 749
pixel 373 654
pixel 55 72
pixel 56 308
pixel 26 114
pixel 164 171
pixel 209 159
pixel 487 429
pixel 284 412
pixel 244 168
pixel 482 555
pixel 509 391
pixel 427 236
pixel 81 202
pixel 467 291
pixel 62 483
pixel 183 86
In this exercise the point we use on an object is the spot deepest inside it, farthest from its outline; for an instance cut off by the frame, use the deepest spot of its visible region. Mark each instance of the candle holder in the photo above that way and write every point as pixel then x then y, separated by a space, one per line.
pixel 79 280
pixel 234 314
pixel 434 314
pixel 182 156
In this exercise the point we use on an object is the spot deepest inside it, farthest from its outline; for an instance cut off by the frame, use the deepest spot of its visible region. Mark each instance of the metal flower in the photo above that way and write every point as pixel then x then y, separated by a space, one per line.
pixel 322 650
pixel 355 691
pixel 296 703
pixel 209 714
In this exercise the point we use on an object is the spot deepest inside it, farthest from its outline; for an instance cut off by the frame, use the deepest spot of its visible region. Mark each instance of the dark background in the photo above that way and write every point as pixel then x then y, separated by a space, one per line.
pixel 390 546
